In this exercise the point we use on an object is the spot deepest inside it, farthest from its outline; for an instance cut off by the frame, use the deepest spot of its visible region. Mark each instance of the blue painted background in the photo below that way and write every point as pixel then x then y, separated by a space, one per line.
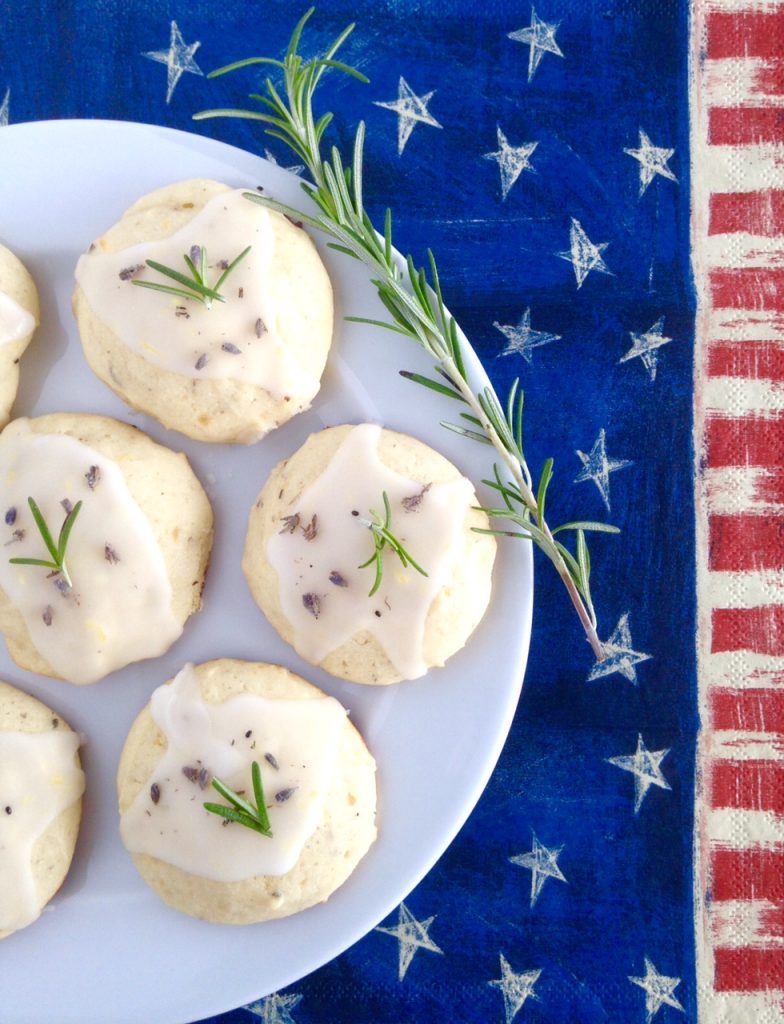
pixel 629 877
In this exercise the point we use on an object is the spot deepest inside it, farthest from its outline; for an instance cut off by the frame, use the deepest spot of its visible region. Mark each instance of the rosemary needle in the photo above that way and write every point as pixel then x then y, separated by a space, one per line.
pixel 383 536
pixel 195 286
pixel 57 551
pixel 415 304
pixel 242 811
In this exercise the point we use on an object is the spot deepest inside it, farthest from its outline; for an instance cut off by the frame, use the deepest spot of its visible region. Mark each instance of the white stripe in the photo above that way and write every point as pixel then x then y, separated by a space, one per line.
pixel 741 829
pixel 755 6
pixel 737 923
pixel 741 249
pixel 741 325
pixel 740 396
pixel 733 80
pixel 732 489
pixel 750 589
pixel 739 1007
pixel 742 670
pixel 747 746
pixel 738 168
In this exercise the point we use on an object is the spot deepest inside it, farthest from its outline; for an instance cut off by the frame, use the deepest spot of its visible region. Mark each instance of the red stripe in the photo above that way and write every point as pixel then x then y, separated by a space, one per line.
pixel 747 34
pixel 759 213
pixel 757 360
pixel 769 79
pixel 749 629
pixel 772 922
pixel 748 288
pixel 748 970
pixel 753 710
pixel 745 126
pixel 752 785
pixel 753 874
pixel 751 441
pixel 746 542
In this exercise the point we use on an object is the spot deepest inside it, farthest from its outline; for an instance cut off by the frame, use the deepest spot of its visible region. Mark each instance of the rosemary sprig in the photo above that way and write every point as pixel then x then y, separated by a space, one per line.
pixel 195 286
pixel 383 536
pixel 414 301
pixel 241 811
pixel 57 551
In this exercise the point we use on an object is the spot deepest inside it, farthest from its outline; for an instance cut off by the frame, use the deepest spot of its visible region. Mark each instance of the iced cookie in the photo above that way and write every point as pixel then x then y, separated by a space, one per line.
pixel 134 529
pixel 318 780
pixel 18 320
pixel 224 367
pixel 41 786
pixel 318 567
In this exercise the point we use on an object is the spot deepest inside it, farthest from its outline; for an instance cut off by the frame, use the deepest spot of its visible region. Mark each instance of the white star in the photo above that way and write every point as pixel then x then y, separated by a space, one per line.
pixel 295 168
pixel 409 108
pixel 659 990
pixel 645 346
pixel 5 107
pixel 524 338
pixel 541 38
pixel 619 655
pixel 597 467
pixel 583 254
pixel 275 1009
pixel 541 862
pixel 412 935
pixel 178 59
pixel 644 766
pixel 653 160
pixel 515 988
pixel 512 160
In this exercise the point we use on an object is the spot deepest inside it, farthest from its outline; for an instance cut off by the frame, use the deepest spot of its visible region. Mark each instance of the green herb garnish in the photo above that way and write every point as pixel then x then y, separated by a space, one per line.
pixel 383 536
pixel 241 811
pixel 57 551
pixel 195 286
pixel 414 301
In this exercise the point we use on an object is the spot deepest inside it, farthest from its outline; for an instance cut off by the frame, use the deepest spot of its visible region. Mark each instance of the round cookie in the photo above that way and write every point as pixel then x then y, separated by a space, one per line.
pixel 234 409
pixel 17 284
pixel 341 838
pixel 165 489
pixel 454 609
pixel 53 851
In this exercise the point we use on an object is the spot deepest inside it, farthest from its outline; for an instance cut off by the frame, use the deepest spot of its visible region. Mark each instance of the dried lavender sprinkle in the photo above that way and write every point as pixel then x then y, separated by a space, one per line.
pixel 93 477
pixel 195 253
pixel 336 578
pixel 202 361
pixel 110 554
pixel 272 761
pixel 155 792
pixel 48 615
pixel 312 603
pixel 128 272
pixel 229 346
pixel 67 504
pixel 260 328
pixel 285 794
pixel 10 517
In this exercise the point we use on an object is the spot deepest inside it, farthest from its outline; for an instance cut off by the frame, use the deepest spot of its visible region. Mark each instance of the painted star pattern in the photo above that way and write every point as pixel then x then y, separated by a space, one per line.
pixel 583 254
pixel 540 37
pixel 522 339
pixel 412 935
pixel 5 108
pixel 646 347
pixel 597 466
pixel 512 160
pixel 619 654
pixel 515 988
pixel 659 990
pixel 178 59
pixel 410 109
pixel 542 863
pixel 274 1009
pixel 644 765
pixel 294 168
pixel 653 160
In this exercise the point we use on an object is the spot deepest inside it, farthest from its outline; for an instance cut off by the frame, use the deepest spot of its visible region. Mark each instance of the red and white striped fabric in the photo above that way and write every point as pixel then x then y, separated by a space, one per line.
pixel 738 245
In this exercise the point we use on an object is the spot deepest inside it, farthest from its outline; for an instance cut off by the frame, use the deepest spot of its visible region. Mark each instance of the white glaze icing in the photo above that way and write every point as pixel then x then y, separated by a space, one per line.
pixel 120 607
pixel 353 482
pixel 39 779
pixel 16 322
pixel 301 738
pixel 179 334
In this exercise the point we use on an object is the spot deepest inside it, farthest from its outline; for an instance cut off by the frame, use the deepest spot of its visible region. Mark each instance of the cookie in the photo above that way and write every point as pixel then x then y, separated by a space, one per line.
pixel 312 541
pixel 318 780
pixel 225 369
pixel 135 558
pixel 19 314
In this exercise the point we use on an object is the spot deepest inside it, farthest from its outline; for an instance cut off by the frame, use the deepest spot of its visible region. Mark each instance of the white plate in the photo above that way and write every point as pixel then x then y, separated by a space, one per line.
pixel 107 948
